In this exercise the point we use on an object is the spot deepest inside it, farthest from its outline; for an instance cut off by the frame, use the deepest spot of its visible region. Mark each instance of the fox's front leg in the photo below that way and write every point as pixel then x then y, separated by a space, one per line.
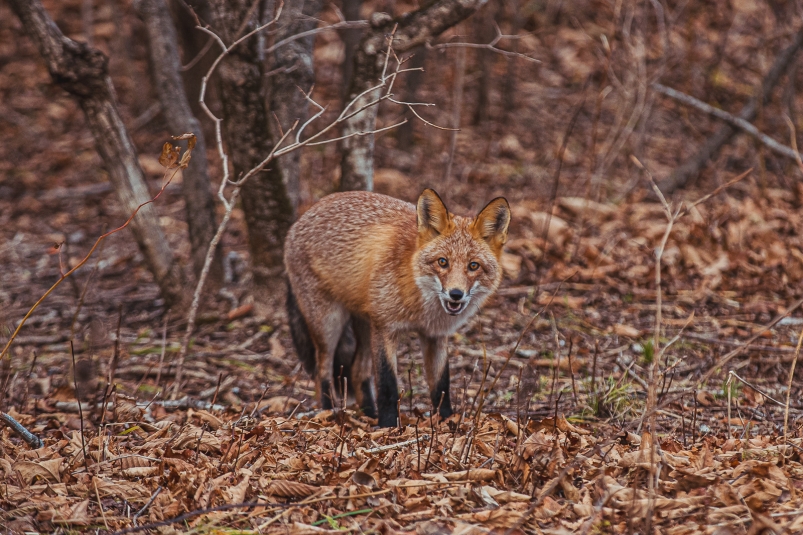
pixel 387 383
pixel 436 368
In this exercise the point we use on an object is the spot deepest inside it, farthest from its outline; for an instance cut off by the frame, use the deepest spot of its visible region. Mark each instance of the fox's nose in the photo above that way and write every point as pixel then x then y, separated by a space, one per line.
pixel 456 294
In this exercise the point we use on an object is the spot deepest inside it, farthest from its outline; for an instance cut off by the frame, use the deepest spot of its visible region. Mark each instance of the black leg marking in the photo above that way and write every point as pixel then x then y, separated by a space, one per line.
pixel 387 391
pixel 367 405
pixel 326 396
pixel 442 388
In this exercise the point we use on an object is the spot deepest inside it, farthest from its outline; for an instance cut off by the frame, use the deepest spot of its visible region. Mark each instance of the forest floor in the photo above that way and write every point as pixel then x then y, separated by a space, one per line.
pixel 550 380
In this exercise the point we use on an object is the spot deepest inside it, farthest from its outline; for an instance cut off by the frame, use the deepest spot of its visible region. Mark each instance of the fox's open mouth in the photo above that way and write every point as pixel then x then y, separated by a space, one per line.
pixel 454 308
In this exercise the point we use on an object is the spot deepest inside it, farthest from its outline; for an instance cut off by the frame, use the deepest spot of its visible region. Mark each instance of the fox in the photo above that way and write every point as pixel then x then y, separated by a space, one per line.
pixel 363 268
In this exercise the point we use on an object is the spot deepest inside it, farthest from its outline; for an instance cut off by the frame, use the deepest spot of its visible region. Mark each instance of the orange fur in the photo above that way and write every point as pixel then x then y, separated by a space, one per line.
pixel 391 266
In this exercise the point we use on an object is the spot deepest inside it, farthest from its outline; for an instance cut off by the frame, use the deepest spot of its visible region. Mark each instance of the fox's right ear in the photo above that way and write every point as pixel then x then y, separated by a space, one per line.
pixel 433 217
pixel 492 223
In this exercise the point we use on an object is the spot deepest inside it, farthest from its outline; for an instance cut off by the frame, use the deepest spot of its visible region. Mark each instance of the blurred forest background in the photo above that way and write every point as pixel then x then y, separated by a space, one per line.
pixel 564 108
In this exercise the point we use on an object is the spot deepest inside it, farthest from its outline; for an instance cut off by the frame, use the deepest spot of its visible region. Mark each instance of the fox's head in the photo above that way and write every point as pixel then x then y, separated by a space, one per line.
pixel 457 259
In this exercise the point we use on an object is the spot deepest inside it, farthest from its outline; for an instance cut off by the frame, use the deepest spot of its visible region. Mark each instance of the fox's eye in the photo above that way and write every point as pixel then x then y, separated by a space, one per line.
pixel 473 266
pixel 442 262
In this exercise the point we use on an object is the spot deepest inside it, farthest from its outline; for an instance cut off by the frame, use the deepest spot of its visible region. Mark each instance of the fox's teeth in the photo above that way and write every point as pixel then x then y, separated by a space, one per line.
pixel 454 307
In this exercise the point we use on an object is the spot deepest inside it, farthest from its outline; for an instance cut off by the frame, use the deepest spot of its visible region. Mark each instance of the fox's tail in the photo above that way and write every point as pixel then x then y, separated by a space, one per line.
pixel 344 354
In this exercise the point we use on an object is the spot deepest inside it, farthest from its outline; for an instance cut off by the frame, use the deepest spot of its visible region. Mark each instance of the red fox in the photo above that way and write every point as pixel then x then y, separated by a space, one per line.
pixel 364 267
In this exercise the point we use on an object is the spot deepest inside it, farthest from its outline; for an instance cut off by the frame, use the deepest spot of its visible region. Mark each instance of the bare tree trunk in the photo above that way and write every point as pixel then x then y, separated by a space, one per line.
pixel 414 29
pixel 82 72
pixel 196 187
pixel 509 88
pixel 484 30
pixel 295 66
pixel 266 205
pixel 351 38
pixel 199 51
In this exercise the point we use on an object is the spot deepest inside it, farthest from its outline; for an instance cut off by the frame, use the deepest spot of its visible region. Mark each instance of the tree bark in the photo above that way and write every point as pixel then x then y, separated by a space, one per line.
pixel 83 72
pixel 414 29
pixel 692 166
pixel 198 49
pixel 196 186
pixel 266 205
pixel 509 89
pixel 295 73
pixel 484 30
pixel 351 38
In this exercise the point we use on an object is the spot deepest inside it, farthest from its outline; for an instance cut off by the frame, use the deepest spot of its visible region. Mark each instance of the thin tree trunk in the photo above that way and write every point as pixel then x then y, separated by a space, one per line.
pixel 266 205
pixel 83 72
pixel 484 30
pixel 199 52
pixel 509 88
pixel 295 66
pixel 351 38
pixel 412 29
pixel 196 186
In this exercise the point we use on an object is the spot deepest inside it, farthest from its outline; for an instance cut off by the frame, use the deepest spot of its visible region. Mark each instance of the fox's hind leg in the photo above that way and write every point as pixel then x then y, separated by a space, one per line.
pixel 326 331
pixel 362 368
pixel 325 322
pixel 299 332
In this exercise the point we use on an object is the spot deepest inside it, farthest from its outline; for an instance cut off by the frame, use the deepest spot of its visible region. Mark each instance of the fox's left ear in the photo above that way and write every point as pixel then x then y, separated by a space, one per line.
pixel 492 222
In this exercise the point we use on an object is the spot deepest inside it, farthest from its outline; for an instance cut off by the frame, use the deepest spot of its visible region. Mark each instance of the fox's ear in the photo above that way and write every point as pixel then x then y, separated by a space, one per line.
pixel 492 223
pixel 433 217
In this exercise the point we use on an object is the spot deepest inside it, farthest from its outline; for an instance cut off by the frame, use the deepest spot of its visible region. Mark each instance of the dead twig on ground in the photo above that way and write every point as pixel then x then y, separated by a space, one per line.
pixel 32 440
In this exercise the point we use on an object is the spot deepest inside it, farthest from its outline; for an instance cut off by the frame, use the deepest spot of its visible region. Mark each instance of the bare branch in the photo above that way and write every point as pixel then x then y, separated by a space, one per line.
pixel 433 125
pixel 344 25
pixel 488 46
pixel 738 122
pixel 378 130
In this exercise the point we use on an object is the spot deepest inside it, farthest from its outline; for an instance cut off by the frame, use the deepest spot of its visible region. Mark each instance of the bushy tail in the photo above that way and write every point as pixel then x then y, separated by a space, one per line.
pixel 346 346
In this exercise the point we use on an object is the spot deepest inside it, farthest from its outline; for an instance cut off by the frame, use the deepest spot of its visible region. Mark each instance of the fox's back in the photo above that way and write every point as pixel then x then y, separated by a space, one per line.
pixel 344 238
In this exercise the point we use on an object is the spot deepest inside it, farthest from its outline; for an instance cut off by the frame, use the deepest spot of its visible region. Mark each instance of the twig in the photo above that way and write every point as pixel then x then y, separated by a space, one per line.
pixel 80 410
pixel 488 46
pixel 83 295
pixel 789 389
pixel 32 440
pixel 395 446
pixel 757 389
pixel 148 504
pixel 343 25
pixel 162 354
pixel 100 505
pixel 170 404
